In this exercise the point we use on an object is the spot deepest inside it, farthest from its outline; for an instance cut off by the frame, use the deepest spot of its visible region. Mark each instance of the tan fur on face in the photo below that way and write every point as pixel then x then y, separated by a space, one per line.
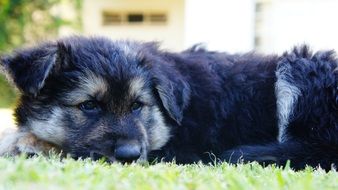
pixel 159 132
pixel 91 85
pixel 145 142
pixel 136 89
pixel 51 129
pixel 136 86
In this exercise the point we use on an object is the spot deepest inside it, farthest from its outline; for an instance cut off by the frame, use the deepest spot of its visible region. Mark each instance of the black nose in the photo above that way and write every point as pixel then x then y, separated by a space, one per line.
pixel 127 153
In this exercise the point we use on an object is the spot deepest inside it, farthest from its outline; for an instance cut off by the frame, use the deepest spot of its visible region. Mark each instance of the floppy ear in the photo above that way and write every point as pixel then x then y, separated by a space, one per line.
pixel 172 88
pixel 29 68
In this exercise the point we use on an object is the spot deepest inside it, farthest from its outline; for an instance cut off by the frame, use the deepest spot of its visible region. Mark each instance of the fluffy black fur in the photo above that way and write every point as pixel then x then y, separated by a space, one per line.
pixel 218 103
pixel 233 104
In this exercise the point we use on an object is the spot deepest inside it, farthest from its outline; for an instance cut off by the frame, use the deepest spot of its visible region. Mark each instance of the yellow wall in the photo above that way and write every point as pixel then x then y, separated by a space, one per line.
pixel 170 34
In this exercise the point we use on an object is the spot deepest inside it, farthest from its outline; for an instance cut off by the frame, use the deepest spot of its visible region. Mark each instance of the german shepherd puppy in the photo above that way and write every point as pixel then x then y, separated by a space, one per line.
pixel 129 101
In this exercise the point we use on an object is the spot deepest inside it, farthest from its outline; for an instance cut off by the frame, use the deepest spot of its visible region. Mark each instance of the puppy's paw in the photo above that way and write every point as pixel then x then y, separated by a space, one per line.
pixel 18 142
pixel 8 142
pixel 30 145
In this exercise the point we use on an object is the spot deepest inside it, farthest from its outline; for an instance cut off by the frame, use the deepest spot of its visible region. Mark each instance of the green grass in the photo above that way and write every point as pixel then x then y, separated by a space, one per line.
pixel 7 93
pixel 51 173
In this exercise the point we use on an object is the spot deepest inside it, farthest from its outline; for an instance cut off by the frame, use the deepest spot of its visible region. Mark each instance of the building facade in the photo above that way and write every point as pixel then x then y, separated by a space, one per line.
pixel 227 25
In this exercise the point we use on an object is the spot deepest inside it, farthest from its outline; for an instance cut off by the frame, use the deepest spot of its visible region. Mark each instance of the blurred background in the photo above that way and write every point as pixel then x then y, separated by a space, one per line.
pixel 267 26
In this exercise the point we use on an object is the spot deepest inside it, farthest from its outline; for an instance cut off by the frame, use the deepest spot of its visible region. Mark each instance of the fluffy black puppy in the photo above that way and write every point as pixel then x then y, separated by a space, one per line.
pixel 129 101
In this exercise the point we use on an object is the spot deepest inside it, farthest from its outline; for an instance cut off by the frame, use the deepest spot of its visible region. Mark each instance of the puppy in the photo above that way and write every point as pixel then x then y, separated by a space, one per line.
pixel 129 101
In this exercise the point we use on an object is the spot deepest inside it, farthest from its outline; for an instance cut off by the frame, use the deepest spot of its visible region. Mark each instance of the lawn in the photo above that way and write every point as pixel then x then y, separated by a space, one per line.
pixel 51 173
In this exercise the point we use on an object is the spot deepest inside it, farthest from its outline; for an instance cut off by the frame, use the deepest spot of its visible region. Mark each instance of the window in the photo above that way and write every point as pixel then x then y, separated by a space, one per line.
pixel 259 8
pixel 111 18
pixel 135 18
pixel 158 18
pixel 129 18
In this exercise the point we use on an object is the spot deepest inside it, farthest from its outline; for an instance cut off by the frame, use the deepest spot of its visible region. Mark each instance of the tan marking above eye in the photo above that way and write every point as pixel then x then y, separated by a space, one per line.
pixel 91 86
pixel 138 91
pixel 136 86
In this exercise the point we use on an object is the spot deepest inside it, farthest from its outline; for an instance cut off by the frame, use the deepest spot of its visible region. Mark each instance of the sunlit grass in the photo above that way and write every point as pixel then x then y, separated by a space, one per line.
pixel 51 173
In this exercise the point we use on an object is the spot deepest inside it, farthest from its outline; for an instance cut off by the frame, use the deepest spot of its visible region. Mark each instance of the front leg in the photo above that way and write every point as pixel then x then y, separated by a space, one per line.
pixel 15 141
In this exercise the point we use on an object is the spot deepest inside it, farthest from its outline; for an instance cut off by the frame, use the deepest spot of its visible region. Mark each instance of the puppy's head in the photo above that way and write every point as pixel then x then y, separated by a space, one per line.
pixel 93 97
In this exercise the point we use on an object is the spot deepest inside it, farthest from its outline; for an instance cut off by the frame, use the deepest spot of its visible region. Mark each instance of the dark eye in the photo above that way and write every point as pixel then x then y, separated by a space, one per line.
pixel 89 106
pixel 136 106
